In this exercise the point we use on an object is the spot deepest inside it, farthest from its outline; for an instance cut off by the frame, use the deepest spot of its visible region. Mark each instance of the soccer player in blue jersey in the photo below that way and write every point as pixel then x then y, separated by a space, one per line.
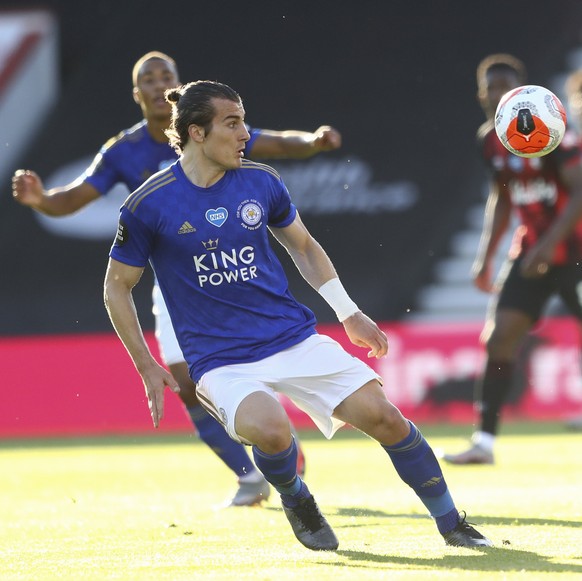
pixel 130 158
pixel 245 338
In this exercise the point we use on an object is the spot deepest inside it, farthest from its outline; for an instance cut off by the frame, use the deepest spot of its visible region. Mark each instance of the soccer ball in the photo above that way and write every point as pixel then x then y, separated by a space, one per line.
pixel 530 121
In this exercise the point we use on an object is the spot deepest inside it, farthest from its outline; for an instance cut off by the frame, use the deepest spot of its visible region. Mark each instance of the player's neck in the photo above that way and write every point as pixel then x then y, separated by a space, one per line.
pixel 156 129
pixel 200 172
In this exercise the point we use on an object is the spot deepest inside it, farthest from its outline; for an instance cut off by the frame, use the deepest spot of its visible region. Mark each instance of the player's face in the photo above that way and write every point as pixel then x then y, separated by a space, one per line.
pixel 224 145
pixel 154 78
pixel 498 82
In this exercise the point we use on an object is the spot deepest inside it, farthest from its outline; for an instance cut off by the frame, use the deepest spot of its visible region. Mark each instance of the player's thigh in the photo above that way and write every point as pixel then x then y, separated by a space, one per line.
pixel 526 295
pixel 317 375
pixel 519 305
pixel 221 392
pixel 261 420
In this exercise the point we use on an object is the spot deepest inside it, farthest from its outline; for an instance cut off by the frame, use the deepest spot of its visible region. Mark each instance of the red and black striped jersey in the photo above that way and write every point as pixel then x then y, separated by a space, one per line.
pixel 535 189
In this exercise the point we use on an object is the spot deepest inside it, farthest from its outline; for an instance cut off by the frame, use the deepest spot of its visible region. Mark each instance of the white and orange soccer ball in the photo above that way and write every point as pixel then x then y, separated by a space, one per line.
pixel 530 121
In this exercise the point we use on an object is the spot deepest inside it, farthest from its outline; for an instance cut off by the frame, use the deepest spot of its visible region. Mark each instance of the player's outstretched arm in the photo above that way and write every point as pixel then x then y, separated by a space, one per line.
pixel 119 282
pixel 28 189
pixel 295 144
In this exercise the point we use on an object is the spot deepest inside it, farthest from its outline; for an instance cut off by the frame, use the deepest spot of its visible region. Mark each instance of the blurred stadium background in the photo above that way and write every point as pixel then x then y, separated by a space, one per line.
pixel 398 208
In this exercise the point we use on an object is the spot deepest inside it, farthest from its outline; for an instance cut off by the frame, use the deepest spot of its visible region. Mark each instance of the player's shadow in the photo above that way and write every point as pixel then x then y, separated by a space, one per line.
pixel 481 559
pixel 487 520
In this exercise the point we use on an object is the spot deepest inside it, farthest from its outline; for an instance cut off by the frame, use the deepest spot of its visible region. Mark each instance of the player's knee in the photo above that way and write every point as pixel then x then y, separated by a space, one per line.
pixel 386 424
pixel 391 418
pixel 272 435
pixel 261 420
pixel 275 435
pixel 501 345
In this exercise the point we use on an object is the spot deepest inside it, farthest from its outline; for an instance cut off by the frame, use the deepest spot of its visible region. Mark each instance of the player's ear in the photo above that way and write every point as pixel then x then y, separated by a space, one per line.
pixel 482 98
pixel 136 98
pixel 196 133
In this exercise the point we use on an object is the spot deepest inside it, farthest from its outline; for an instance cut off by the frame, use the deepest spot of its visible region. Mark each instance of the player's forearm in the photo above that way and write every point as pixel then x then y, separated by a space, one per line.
pixel 53 203
pixel 489 243
pixel 314 264
pixel 284 144
pixel 299 144
pixel 123 315
pixel 495 225
pixel 62 201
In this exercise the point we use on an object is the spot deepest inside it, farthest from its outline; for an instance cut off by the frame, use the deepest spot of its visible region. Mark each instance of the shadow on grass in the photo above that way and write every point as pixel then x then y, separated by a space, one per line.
pixel 482 559
pixel 476 519
pixel 502 558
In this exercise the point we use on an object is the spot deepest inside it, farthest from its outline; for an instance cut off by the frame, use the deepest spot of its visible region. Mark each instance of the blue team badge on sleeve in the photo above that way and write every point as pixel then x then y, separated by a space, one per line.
pixel 217 216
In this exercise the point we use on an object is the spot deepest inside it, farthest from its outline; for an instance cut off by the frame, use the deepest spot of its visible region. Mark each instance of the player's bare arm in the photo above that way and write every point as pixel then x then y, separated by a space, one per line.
pixel 495 225
pixel 536 261
pixel 315 266
pixel 311 260
pixel 28 189
pixel 119 282
pixel 272 144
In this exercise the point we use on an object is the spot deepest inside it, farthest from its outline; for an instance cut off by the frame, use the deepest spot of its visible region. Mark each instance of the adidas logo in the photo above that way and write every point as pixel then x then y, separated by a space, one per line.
pixel 186 228
pixel 432 482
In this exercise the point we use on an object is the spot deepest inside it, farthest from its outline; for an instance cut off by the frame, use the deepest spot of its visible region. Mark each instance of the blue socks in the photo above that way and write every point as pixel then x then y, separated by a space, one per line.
pixel 280 470
pixel 417 465
pixel 214 435
pixel 412 458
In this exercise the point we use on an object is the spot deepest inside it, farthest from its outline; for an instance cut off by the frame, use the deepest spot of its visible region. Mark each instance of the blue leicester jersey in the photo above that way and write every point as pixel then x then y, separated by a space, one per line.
pixel 225 289
pixel 133 156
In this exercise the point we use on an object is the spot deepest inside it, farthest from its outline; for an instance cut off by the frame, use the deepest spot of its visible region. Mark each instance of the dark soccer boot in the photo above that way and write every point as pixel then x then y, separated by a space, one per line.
pixel 464 535
pixel 310 526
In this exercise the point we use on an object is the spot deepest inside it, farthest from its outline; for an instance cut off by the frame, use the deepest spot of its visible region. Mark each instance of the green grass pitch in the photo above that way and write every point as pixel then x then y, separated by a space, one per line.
pixel 137 508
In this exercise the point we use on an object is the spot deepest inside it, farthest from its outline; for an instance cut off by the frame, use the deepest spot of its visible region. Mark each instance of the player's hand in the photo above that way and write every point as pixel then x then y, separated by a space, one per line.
pixel 155 380
pixel 327 138
pixel 482 278
pixel 364 332
pixel 27 188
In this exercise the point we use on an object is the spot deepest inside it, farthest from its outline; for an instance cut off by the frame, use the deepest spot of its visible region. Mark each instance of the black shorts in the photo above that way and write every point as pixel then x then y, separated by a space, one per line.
pixel 530 295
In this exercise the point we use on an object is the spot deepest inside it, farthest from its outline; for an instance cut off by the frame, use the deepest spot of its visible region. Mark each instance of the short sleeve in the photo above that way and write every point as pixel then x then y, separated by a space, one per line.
pixel 133 240
pixel 102 174
pixel 283 211
pixel 254 133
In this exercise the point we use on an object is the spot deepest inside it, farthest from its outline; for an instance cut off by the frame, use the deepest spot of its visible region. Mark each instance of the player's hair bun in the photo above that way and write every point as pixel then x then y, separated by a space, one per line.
pixel 173 95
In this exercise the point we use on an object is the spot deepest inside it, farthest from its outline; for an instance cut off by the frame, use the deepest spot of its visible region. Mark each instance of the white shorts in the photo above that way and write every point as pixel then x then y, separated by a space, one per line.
pixel 167 342
pixel 317 375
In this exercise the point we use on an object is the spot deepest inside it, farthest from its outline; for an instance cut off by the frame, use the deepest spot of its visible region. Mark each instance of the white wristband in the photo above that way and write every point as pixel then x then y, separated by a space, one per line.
pixel 338 299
